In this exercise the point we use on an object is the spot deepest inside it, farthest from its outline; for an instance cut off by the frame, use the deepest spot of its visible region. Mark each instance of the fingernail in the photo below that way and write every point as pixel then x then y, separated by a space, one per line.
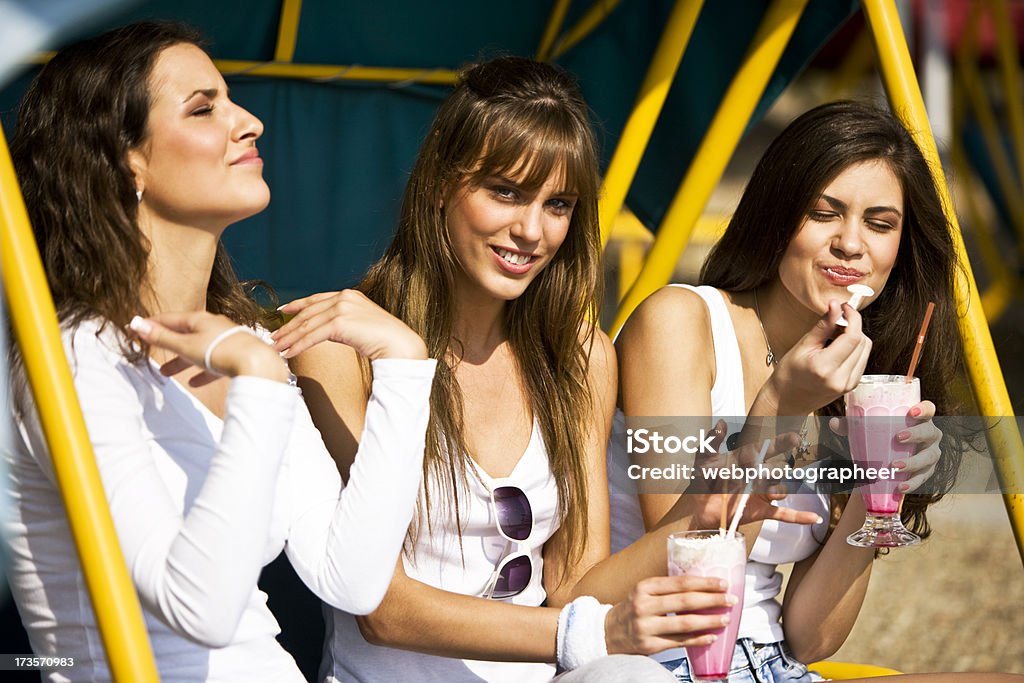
pixel 724 585
pixel 140 325
pixel 725 619
pixel 903 436
pixel 280 307
pixel 904 487
pixel 899 464
pixel 731 599
pixel 712 639
pixel 915 411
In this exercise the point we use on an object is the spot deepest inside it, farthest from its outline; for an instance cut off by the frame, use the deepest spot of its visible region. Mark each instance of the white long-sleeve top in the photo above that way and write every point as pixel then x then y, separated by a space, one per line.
pixel 201 504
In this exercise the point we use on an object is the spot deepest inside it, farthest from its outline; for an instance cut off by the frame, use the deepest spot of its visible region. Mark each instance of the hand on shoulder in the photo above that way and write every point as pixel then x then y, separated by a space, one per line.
pixel 347 317
pixel 210 341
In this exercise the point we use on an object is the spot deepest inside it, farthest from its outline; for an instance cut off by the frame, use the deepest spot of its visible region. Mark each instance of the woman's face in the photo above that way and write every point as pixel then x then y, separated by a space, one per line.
pixel 504 235
pixel 198 165
pixel 850 235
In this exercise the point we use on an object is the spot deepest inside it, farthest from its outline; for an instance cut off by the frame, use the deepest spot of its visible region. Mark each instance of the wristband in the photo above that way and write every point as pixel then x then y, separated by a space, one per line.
pixel 581 637
pixel 208 356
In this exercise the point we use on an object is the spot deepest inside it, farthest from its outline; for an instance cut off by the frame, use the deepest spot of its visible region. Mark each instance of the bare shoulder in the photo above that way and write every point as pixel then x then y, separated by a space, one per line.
pixel 327 362
pixel 666 319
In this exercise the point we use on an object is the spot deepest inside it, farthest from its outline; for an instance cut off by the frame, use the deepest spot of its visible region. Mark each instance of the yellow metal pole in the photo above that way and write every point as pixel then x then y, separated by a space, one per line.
pixel 982 364
pixel 320 72
pixel 970 81
pixel 632 236
pixel 1000 292
pixel 287 30
pixel 856 65
pixel 711 158
pixel 587 23
pixel 1009 70
pixel 649 102
pixel 328 72
pixel 34 320
pixel 554 25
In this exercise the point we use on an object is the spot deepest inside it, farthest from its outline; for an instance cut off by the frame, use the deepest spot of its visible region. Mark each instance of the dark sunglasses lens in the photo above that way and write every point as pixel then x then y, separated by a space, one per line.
pixel 513 578
pixel 515 517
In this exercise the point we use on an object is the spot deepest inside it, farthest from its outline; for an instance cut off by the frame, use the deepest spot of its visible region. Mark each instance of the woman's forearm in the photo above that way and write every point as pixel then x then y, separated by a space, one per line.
pixel 418 617
pixel 825 594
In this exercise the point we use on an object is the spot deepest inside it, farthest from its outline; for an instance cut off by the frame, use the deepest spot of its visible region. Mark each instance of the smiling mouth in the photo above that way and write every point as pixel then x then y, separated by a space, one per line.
pixel 512 257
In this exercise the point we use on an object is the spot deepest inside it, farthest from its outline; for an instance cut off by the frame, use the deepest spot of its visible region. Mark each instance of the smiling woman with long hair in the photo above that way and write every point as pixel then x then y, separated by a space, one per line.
pixel 133 161
pixel 496 264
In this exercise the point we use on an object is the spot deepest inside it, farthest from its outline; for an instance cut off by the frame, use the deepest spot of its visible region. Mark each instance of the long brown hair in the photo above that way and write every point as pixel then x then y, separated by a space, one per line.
pixel 505 117
pixel 79 118
pixel 789 178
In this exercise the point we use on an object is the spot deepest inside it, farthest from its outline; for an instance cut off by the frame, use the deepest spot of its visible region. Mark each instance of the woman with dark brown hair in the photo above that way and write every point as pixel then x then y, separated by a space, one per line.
pixel 842 196
pixel 133 161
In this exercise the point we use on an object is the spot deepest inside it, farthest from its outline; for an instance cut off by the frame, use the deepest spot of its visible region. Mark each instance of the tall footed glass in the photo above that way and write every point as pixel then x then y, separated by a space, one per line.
pixel 712 553
pixel 876 411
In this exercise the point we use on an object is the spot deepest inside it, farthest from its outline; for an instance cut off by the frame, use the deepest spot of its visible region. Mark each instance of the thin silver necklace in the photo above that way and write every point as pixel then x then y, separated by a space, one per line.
pixel 797 452
pixel 769 360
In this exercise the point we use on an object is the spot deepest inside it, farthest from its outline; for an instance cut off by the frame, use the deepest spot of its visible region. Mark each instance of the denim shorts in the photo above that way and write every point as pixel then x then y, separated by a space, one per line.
pixel 754 663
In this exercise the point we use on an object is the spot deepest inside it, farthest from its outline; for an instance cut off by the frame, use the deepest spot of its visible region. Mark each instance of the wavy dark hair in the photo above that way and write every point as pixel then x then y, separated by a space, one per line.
pixel 76 123
pixel 506 117
pixel 790 177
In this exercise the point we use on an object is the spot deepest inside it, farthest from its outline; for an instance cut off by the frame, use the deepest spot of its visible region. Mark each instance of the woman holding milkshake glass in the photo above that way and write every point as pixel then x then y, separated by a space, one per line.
pixel 496 263
pixel 842 196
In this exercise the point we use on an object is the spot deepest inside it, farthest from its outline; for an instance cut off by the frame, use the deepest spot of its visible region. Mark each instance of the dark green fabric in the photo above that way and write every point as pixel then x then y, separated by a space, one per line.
pixel 337 154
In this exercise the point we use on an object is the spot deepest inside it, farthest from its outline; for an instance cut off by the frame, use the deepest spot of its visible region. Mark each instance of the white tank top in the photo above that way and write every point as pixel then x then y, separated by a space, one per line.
pixel 439 562
pixel 777 543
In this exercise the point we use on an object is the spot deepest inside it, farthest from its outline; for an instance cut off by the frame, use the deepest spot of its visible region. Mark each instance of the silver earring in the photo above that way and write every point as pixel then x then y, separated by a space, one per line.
pixel 138 195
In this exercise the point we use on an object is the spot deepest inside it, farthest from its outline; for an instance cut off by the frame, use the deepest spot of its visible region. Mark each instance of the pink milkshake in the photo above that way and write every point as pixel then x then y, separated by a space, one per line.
pixel 709 553
pixel 876 412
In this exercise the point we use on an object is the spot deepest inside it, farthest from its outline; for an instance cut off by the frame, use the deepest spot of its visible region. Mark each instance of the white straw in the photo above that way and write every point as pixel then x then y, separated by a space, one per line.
pixel 746 493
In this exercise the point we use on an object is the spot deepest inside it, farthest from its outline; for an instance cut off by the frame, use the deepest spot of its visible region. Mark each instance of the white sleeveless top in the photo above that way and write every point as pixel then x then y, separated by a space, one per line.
pixel 777 543
pixel 438 561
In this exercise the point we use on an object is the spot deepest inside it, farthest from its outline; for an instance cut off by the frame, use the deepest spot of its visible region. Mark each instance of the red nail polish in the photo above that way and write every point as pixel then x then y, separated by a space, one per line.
pixel 915 411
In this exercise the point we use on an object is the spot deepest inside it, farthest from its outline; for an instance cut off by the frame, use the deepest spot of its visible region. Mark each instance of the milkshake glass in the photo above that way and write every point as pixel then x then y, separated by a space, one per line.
pixel 710 553
pixel 876 411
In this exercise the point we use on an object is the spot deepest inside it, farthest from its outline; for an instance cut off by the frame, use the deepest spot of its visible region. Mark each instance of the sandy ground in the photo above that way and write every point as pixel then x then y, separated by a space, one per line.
pixel 955 603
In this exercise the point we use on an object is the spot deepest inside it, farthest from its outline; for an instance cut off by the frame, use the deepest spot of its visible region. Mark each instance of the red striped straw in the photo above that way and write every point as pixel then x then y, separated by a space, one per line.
pixel 920 342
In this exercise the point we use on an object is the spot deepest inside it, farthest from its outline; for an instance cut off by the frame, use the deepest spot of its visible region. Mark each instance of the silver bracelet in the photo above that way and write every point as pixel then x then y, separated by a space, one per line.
pixel 208 356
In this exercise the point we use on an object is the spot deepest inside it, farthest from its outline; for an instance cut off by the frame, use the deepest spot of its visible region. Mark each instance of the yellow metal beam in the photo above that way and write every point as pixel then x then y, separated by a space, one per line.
pixel 34 320
pixel 554 25
pixel 856 65
pixel 982 364
pixel 587 23
pixel 287 30
pixel 321 72
pixel 1000 292
pixel 1004 283
pixel 328 72
pixel 640 125
pixel 714 153
pixel 970 82
pixel 1009 70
